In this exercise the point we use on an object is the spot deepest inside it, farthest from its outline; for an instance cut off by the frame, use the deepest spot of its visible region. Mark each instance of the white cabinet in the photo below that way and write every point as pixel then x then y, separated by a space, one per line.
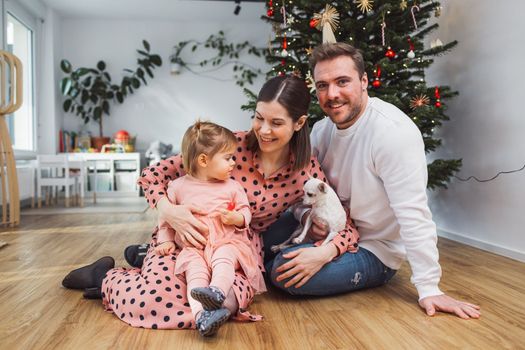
pixel 113 174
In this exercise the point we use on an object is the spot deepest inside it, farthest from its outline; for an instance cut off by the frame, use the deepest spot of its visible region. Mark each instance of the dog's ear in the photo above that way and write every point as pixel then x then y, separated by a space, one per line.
pixel 322 187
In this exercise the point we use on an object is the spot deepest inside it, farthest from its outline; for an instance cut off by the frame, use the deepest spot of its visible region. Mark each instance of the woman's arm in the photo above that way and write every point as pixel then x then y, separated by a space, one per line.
pixel 306 262
pixel 154 181
pixel 347 239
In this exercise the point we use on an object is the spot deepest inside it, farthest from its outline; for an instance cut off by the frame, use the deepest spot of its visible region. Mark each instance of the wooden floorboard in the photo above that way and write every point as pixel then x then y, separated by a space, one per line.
pixel 37 313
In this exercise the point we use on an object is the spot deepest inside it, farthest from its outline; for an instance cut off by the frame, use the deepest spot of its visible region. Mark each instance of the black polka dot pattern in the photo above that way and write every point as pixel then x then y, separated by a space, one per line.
pixel 156 288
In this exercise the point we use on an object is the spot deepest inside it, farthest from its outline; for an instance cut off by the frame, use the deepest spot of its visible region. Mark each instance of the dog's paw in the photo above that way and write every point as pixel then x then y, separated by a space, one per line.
pixel 275 248
pixel 297 240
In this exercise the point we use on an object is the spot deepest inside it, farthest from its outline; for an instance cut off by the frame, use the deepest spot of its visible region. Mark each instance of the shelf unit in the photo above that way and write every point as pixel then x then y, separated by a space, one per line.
pixel 115 174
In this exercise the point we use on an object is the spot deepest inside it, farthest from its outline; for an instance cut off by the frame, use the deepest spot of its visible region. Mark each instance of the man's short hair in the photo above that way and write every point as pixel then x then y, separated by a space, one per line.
pixel 329 51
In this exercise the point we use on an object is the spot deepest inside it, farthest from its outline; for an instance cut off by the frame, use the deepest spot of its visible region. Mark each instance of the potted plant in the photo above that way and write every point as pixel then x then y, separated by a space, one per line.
pixel 90 91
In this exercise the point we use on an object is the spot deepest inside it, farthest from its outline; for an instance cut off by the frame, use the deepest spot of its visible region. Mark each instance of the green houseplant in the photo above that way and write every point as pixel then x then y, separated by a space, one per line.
pixel 89 92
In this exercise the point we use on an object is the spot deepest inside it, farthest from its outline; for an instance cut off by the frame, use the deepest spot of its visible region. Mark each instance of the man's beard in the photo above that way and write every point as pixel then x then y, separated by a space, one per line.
pixel 351 116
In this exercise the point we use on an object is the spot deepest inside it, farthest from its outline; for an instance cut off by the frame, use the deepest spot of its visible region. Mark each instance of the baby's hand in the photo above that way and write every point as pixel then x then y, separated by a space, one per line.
pixel 165 248
pixel 232 217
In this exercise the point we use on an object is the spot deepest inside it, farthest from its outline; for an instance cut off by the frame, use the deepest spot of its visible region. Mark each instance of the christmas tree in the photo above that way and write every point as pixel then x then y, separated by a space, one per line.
pixel 390 34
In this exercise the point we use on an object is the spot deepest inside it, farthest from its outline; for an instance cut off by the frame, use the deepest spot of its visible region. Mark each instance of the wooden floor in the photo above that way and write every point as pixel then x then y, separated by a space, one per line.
pixel 37 313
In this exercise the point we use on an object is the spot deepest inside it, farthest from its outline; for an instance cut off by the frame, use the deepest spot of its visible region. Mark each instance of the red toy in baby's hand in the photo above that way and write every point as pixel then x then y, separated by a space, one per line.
pixel 231 206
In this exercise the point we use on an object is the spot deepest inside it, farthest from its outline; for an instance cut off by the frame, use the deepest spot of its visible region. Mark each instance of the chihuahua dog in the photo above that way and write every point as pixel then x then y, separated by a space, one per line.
pixel 326 207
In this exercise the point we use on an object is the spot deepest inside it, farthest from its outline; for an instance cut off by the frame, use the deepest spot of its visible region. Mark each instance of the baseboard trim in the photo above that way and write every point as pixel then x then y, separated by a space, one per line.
pixel 490 247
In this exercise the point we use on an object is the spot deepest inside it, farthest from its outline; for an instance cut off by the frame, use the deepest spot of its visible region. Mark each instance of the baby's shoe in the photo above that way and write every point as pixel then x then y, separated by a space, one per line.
pixel 209 321
pixel 135 254
pixel 210 297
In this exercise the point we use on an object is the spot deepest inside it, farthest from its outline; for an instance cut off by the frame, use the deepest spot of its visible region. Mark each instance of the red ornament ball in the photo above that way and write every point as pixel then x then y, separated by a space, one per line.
pixel 438 104
pixel 269 12
pixel 376 83
pixel 390 53
pixel 313 23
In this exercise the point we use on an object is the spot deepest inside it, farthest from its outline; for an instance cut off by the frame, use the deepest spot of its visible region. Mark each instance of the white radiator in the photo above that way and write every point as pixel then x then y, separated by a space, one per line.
pixel 26 181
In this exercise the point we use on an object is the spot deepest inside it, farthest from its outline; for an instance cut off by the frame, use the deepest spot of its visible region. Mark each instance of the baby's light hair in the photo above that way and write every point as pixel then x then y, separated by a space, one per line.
pixel 207 138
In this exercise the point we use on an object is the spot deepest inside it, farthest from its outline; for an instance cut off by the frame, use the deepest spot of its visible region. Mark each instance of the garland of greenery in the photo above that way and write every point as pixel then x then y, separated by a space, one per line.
pixel 243 73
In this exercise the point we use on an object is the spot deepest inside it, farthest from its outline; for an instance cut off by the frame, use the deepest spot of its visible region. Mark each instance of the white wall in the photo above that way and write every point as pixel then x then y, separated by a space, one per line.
pixel 487 124
pixel 164 108
pixel 48 95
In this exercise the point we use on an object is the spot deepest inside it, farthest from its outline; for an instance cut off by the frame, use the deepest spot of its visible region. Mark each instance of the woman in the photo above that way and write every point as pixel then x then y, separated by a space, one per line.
pixel 273 160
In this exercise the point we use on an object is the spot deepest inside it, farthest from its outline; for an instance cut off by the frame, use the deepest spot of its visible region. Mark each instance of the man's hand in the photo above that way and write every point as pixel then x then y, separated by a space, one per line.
pixel 444 303
pixel 318 230
pixel 191 231
pixel 165 248
pixel 304 263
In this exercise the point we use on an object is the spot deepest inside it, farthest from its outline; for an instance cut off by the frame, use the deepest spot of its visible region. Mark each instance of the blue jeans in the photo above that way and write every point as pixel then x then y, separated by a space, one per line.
pixel 349 272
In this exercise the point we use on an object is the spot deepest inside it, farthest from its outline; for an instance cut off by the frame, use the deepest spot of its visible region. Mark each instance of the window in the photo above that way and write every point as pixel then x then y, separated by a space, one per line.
pixel 21 124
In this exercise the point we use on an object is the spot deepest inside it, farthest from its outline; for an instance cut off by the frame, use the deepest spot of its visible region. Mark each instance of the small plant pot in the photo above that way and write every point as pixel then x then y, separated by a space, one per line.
pixel 98 142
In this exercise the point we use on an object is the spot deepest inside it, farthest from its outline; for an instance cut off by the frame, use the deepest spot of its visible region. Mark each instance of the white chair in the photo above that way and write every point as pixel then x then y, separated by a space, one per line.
pixel 56 171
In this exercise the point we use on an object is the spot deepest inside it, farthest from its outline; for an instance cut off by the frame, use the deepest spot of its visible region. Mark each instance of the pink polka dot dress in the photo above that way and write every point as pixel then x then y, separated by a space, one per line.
pixel 154 296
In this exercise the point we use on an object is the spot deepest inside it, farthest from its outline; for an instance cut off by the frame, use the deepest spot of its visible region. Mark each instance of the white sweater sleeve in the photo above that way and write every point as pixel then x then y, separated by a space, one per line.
pixel 401 164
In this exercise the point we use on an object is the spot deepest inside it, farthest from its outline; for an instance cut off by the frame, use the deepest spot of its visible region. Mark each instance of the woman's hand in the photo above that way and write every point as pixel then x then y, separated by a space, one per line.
pixel 191 231
pixel 165 248
pixel 304 263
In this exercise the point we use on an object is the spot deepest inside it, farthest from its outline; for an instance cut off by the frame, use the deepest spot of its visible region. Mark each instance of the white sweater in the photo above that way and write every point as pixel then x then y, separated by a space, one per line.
pixel 378 169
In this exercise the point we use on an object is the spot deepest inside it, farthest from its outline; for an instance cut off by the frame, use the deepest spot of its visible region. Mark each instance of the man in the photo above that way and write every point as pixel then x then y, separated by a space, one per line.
pixel 373 155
